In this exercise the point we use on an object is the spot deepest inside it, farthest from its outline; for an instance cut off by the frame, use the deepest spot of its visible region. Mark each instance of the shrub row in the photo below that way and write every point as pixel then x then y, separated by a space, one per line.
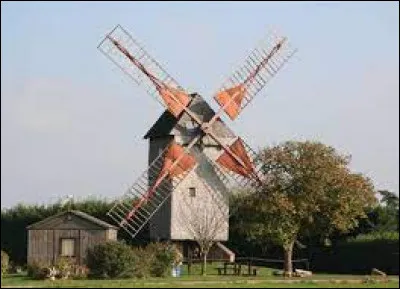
pixel 360 255
pixel 118 260
pixel 112 259
pixel 63 269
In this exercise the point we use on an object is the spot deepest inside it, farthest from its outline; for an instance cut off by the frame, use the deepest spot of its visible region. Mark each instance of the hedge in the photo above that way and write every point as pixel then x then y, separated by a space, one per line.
pixel 117 260
pixel 360 255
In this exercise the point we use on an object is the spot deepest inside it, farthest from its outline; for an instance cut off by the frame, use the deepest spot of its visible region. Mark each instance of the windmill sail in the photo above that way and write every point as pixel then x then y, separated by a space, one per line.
pixel 230 163
pixel 259 68
pixel 238 91
pixel 132 59
pixel 247 174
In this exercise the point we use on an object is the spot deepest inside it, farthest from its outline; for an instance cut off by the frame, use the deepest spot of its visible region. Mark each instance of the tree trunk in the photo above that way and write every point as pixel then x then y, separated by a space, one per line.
pixel 287 265
pixel 204 265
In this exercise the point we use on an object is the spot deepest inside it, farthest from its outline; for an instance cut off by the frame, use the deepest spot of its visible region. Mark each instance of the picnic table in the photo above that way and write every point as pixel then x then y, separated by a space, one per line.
pixel 233 268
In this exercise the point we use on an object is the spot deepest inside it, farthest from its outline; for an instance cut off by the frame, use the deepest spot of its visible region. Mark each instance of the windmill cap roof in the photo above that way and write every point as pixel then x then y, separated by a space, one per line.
pixel 167 124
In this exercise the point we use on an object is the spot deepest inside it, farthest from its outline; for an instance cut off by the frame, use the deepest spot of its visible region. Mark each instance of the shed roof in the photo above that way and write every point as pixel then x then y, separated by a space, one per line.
pixel 78 214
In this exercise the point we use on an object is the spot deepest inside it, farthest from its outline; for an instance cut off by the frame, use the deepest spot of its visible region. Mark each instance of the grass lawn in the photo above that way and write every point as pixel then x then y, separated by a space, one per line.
pixel 264 279
pixel 204 282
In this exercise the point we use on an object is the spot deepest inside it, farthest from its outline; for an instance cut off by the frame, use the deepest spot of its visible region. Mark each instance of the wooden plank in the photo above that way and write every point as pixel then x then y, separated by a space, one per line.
pixel 29 253
pixel 56 245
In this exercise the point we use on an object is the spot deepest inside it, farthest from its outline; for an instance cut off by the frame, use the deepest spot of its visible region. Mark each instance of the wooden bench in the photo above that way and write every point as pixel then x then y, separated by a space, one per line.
pixel 251 271
pixel 235 271
pixel 255 271
pixel 224 271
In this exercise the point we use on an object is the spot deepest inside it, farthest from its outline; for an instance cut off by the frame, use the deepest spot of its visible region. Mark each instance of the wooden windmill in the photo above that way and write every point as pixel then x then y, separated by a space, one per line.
pixel 192 151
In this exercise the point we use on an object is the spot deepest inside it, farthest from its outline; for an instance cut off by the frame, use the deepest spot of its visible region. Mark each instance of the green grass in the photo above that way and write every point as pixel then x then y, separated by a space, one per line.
pixel 203 282
pixel 207 282
pixel 265 279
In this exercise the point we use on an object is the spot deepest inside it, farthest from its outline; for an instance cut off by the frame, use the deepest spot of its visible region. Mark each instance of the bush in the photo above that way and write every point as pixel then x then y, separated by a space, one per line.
pixel 360 255
pixel 118 260
pixel 163 256
pixel 154 260
pixel 64 267
pixel 143 262
pixel 389 236
pixel 110 260
pixel 15 269
pixel 80 272
pixel 4 263
pixel 37 270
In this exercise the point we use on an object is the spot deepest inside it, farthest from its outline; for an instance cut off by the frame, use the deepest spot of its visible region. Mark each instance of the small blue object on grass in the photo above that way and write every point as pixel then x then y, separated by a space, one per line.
pixel 176 271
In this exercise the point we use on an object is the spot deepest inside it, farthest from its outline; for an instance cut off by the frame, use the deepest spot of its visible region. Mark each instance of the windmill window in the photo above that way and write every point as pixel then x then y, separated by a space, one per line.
pixel 67 247
pixel 192 192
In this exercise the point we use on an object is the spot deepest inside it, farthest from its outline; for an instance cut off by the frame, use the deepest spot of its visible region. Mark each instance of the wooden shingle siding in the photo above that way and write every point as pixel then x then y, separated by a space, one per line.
pixel 165 223
pixel 168 222
pixel 160 223
pixel 40 246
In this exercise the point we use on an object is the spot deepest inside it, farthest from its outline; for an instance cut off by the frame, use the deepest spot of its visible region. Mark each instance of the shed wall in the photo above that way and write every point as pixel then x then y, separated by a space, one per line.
pixel 44 245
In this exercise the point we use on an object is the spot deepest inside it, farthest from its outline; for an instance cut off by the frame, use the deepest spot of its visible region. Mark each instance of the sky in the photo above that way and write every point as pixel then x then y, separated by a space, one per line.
pixel 73 124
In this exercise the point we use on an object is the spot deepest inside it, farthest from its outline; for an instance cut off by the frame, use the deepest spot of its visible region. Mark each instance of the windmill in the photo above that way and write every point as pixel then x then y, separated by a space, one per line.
pixel 191 148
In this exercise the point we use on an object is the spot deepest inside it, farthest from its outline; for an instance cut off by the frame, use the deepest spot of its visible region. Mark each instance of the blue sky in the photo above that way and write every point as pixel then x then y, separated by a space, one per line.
pixel 72 123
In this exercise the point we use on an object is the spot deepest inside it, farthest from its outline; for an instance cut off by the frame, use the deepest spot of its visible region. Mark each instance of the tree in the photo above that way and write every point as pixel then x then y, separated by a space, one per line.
pixel 307 186
pixel 387 212
pixel 205 219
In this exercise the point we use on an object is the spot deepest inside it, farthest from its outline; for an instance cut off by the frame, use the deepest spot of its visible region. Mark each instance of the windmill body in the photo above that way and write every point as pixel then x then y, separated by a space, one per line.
pixel 195 189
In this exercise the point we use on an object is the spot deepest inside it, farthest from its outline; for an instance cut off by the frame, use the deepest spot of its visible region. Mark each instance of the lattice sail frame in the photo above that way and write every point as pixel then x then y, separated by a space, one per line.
pixel 261 65
pixel 158 76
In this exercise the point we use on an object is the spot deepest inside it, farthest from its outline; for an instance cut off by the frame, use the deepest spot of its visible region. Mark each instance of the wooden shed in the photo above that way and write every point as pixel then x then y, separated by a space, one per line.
pixel 68 234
